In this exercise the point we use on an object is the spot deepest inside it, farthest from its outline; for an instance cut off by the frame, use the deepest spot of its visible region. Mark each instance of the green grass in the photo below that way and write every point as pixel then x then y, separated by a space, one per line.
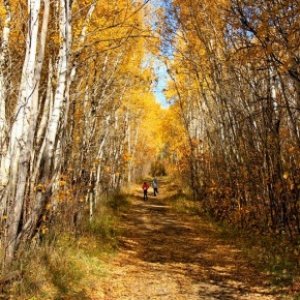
pixel 68 270
pixel 181 203
pixel 105 229
pixel 70 267
pixel 117 202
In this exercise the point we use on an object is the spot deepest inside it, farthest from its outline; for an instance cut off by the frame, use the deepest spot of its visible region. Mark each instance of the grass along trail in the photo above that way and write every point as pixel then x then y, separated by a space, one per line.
pixel 165 254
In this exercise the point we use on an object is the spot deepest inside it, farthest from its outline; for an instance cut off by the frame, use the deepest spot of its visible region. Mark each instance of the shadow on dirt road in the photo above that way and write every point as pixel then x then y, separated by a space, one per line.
pixel 167 255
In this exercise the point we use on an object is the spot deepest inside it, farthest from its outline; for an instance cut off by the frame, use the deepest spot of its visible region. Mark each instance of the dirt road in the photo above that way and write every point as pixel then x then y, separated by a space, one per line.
pixel 168 255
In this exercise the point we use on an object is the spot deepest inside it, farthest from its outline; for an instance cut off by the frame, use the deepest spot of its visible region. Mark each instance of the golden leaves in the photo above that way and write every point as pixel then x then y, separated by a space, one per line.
pixel 285 175
pixel 40 188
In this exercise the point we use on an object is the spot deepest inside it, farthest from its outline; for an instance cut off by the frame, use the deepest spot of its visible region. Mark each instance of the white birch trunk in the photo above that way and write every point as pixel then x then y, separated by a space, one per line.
pixel 61 93
pixel 82 37
pixel 3 96
pixel 22 132
pixel 129 152
pixel 48 105
pixel 100 157
pixel 51 142
pixel 43 125
pixel 38 72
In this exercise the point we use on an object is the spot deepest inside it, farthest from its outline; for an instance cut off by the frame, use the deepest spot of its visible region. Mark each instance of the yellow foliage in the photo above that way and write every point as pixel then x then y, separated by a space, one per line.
pixel 40 188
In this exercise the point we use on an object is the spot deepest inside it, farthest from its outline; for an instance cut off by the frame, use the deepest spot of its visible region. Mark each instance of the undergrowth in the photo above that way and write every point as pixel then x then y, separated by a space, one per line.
pixel 182 204
pixel 274 255
pixel 70 266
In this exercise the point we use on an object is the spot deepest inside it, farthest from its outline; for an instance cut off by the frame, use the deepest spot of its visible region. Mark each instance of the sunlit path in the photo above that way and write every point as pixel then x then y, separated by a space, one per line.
pixel 98 98
pixel 168 255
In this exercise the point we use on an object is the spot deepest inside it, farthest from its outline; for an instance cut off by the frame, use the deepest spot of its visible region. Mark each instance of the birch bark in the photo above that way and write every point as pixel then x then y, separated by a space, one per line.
pixel 3 95
pixel 51 143
pixel 61 94
pixel 22 133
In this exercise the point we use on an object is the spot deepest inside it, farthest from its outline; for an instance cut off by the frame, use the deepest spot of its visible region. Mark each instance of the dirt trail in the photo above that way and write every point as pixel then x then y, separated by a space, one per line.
pixel 165 255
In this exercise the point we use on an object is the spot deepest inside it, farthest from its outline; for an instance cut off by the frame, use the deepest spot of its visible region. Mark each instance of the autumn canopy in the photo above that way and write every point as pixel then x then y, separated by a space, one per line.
pixel 80 116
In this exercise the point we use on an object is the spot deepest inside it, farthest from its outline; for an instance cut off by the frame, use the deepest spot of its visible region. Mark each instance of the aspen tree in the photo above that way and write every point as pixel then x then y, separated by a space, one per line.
pixel 22 132
pixel 4 52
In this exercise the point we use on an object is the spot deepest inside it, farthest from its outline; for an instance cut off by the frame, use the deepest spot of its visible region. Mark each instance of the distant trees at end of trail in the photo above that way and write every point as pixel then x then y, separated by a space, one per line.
pixel 158 169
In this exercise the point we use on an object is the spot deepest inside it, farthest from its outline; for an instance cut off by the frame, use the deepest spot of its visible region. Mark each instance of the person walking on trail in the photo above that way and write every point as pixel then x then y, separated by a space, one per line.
pixel 155 186
pixel 145 188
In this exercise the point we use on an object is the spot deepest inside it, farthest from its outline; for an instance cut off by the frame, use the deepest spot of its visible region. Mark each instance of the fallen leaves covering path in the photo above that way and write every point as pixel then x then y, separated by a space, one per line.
pixel 167 255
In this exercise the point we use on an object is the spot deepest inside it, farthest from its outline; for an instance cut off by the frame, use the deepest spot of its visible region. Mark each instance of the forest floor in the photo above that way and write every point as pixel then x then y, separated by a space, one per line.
pixel 167 254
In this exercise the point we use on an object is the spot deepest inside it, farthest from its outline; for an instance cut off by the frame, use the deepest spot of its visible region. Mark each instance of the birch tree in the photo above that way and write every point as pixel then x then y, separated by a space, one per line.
pixel 227 80
pixel 4 53
pixel 22 133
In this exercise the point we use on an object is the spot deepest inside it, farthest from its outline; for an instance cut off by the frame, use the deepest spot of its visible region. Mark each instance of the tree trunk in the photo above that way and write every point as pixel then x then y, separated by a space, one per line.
pixel 22 134
pixel 3 97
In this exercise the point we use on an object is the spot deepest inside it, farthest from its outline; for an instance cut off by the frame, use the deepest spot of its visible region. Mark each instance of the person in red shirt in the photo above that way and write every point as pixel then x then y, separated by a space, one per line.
pixel 145 188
